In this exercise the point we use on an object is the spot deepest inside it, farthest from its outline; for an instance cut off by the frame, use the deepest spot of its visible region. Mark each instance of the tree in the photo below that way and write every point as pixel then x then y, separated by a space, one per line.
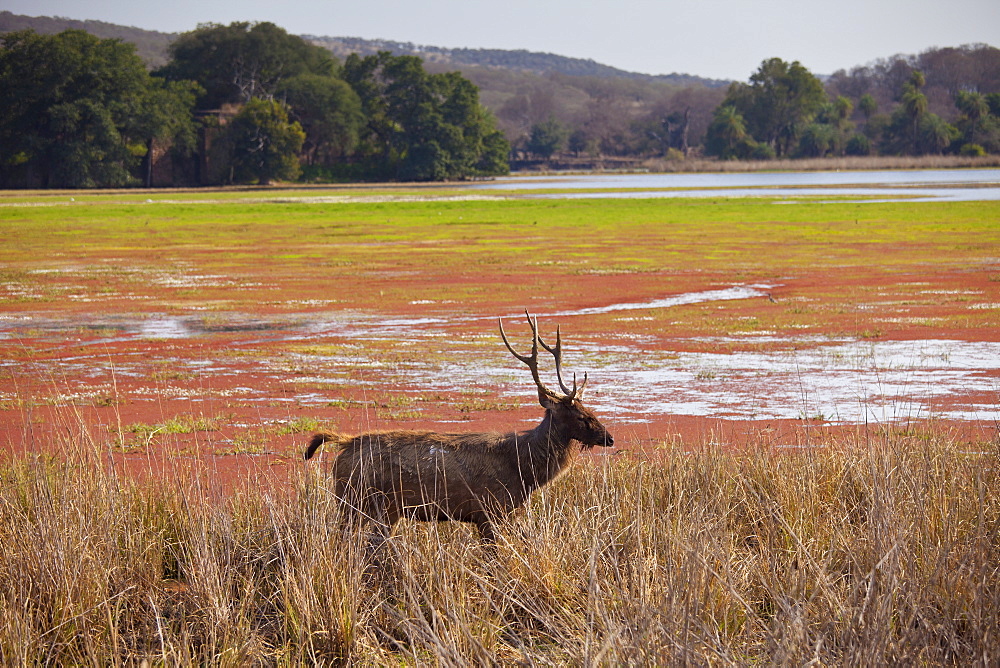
pixel 580 142
pixel 935 135
pixel 241 61
pixel 993 101
pixel 727 133
pixel 79 112
pixel 912 129
pixel 422 126
pixel 867 105
pixel 778 103
pixel 818 139
pixel 973 105
pixel 978 124
pixel 166 115
pixel 264 143
pixel 547 138
pixel 913 105
pixel 858 145
pixel 829 133
pixel 329 112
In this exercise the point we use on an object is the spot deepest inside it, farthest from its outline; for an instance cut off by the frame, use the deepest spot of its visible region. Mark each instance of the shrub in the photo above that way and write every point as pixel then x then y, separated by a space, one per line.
pixel 858 145
pixel 972 151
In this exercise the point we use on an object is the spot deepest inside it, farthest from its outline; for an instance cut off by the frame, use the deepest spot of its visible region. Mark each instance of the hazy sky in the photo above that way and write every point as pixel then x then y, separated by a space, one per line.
pixel 724 39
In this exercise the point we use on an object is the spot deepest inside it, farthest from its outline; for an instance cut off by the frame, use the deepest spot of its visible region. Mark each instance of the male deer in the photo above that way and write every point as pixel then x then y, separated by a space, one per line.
pixel 477 477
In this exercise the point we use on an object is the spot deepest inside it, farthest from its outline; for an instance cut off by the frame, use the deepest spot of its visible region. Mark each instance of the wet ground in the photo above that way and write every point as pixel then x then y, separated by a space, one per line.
pixel 195 361
pixel 245 390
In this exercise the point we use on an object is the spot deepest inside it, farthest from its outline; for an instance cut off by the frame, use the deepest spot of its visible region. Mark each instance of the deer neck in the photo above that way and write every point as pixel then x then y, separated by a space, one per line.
pixel 548 451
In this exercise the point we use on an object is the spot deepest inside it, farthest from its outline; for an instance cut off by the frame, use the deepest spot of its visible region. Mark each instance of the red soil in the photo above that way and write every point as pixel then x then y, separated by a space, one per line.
pixel 251 378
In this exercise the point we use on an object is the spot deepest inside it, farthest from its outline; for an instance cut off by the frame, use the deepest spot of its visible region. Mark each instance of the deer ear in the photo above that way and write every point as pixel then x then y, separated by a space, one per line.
pixel 547 401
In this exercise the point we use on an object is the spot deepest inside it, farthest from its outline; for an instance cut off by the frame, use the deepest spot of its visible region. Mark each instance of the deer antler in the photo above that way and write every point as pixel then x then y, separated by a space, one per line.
pixel 532 360
pixel 557 354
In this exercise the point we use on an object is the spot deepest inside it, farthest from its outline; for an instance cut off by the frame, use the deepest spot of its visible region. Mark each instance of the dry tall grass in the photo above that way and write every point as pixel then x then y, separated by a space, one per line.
pixel 878 550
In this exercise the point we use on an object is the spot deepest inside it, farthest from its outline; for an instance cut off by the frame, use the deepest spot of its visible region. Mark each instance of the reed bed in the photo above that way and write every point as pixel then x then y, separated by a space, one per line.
pixel 877 548
pixel 831 164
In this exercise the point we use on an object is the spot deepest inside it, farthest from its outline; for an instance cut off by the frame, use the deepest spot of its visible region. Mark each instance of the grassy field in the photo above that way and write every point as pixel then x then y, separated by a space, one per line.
pixel 283 251
pixel 876 545
pixel 873 550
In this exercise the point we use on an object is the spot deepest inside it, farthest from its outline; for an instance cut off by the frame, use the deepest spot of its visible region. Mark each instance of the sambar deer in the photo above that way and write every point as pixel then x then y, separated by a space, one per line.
pixel 472 477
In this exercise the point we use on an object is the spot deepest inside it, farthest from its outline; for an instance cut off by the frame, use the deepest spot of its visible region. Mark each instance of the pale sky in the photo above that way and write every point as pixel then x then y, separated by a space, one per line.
pixel 722 39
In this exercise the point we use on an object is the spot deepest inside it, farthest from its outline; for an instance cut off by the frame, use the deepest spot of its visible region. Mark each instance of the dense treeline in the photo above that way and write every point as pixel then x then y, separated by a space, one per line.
pixel 77 111
pixel 244 103
pixel 395 115
pixel 785 111
pixel 944 101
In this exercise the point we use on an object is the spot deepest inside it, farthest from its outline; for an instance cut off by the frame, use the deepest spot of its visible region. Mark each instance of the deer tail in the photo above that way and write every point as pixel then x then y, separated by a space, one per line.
pixel 320 439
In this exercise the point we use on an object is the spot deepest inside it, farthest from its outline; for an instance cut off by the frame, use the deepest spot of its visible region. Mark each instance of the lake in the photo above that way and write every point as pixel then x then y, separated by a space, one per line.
pixel 953 185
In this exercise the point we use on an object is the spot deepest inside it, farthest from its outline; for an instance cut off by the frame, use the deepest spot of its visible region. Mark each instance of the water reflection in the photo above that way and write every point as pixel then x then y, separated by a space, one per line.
pixel 885 185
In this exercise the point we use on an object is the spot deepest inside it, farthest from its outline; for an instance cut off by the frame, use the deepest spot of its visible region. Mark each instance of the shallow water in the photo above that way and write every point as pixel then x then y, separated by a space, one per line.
pixel 839 382
pixel 637 378
pixel 885 185
pixel 848 382
pixel 724 294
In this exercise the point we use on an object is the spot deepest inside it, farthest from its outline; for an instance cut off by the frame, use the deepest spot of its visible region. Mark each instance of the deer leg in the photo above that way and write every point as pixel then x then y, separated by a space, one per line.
pixel 487 536
pixel 380 526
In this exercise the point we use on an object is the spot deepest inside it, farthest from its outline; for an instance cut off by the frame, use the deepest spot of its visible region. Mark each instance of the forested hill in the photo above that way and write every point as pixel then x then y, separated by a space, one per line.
pixel 152 47
pixel 517 60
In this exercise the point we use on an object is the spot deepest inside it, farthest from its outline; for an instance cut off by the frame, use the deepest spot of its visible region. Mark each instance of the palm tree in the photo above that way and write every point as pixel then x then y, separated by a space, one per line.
pixel 867 105
pixel 936 134
pixel 914 105
pixel 728 130
pixel 973 105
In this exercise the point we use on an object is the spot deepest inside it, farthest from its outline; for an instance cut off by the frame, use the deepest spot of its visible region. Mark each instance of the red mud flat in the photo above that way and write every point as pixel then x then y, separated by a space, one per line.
pixel 232 396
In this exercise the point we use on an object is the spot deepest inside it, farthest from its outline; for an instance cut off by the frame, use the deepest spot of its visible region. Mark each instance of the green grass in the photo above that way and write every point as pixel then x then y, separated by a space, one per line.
pixel 477 227
pixel 279 254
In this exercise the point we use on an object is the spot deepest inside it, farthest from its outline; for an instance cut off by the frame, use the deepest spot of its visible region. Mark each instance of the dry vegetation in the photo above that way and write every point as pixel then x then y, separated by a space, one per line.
pixel 842 163
pixel 564 164
pixel 878 549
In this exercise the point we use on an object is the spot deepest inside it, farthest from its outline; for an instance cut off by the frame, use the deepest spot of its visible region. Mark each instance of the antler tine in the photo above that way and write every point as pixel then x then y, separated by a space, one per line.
pixel 557 354
pixel 532 360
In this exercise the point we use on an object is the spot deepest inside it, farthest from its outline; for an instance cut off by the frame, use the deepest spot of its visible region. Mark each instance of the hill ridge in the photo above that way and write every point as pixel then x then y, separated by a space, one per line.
pixel 152 47
pixel 524 60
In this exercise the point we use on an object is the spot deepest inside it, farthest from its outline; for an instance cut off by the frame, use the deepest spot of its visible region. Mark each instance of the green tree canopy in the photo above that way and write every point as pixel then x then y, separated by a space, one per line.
pixel 422 126
pixel 818 139
pixel 978 124
pixel 547 137
pixel 778 103
pixel 264 143
pixel 329 112
pixel 935 134
pixel 867 105
pixel 912 129
pixel 77 111
pixel 727 133
pixel 241 61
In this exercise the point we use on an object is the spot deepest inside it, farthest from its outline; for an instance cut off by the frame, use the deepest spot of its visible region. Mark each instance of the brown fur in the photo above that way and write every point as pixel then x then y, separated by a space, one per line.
pixel 431 476
pixel 426 475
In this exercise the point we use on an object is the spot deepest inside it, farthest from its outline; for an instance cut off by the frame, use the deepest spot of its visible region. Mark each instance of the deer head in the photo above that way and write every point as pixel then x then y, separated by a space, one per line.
pixel 569 417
